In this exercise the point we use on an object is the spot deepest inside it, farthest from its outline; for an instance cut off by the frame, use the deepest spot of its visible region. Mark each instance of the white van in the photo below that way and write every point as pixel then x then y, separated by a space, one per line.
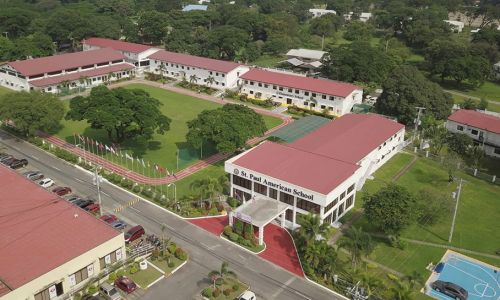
pixel 248 295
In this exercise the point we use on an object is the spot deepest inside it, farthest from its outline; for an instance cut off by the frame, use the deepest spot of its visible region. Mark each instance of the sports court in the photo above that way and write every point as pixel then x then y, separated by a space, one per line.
pixel 299 128
pixel 480 280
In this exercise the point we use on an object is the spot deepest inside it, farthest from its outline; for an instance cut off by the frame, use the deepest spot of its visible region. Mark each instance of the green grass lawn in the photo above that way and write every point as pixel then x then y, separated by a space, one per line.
pixel 267 61
pixel 492 106
pixel 162 148
pixel 229 283
pixel 489 90
pixel 163 265
pixel 144 277
pixel 4 90
pixel 213 171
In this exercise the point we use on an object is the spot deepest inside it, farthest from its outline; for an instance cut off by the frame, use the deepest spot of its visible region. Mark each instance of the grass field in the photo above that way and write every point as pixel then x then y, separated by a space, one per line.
pixel 162 149
pixel 267 61
pixel 4 90
pixel 492 106
pixel 489 90
pixel 478 211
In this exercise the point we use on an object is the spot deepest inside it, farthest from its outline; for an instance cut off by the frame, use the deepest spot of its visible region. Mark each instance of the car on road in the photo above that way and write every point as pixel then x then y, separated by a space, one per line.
pixel 61 190
pixel 7 161
pixel 5 157
pixel 109 218
pixel 109 292
pixel 18 163
pixel 134 233
pixel 118 224
pixel 125 284
pixel 83 203
pixel 34 175
pixel 450 289
pixel 73 198
pixel 92 208
pixel 248 295
pixel 46 182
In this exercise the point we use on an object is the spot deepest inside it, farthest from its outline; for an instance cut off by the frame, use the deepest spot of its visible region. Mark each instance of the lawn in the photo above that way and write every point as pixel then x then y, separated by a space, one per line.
pixel 268 61
pixel 229 283
pixel 144 277
pixel 162 149
pixel 213 171
pixel 4 91
pixel 489 90
pixel 163 265
pixel 492 106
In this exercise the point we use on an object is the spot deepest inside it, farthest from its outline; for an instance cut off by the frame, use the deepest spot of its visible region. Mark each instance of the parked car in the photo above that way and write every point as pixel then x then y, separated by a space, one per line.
pixel 61 190
pixel 18 163
pixel 450 289
pixel 109 292
pixel 125 284
pixel 7 161
pixel 73 198
pixel 109 218
pixel 46 182
pixel 248 295
pixel 92 208
pixel 83 203
pixel 118 224
pixel 134 233
pixel 5 157
pixel 34 175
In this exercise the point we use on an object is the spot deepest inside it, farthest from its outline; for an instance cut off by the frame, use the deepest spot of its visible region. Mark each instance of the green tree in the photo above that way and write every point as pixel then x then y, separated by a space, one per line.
pixel 311 228
pixel 483 104
pixel 31 112
pixel 438 136
pixel 325 25
pixel 405 89
pixel 123 113
pixel 359 31
pixel 475 154
pixel 226 40
pixel 468 104
pixel 223 273
pixel 228 127
pixel 210 80
pixel 358 243
pixel 207 187
pixel 401 291
pixel 193 79
pixel 391 209
pixel 459 143
pixel 431 206
pixel 152 26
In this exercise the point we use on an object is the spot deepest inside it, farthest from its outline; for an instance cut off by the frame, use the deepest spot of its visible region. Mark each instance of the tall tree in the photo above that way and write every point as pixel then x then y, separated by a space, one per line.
pixel 31 112
pixel 311 227
pixel 228 127
pixel 391 209
pixel 358 243
pixel 405 89
pixel 359 31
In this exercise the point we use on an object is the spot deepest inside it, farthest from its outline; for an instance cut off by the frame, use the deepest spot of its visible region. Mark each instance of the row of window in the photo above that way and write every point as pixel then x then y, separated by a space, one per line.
pixel 290 90
pixel 240 181
pixel 340 198
pixel 472 131
pixel 187 68
pixel 86 67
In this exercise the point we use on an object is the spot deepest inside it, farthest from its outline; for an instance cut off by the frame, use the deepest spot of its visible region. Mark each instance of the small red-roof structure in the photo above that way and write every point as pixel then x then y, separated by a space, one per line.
pixel 476 119
pixel 195 61
pixel 311 171
pixel 42 65
pixel 117 45
pixel 77 75
pixel 349 138
pixel 323 86
pixel 41 231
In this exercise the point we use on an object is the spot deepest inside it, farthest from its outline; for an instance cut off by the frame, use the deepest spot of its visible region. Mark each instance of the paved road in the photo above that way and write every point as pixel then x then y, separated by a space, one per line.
pixel 206 251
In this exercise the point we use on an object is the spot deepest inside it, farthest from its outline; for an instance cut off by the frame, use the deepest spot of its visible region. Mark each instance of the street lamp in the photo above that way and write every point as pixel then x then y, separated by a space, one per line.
pixel 97 182
pixel 175 191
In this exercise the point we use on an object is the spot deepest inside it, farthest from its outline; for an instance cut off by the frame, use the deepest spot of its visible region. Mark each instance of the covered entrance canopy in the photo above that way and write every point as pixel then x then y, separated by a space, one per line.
pixel 260 211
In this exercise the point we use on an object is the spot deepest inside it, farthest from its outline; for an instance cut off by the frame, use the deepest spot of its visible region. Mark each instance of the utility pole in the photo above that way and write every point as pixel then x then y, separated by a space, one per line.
pixel 456 208
pixel 6 34
pixel 98 184
pixel 417 122
pixel 357 293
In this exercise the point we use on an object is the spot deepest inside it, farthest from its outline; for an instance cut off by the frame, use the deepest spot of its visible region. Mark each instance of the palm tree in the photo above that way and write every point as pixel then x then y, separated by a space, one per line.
pixel 402 291
pixel 210 80
pixel 207 187
pixel 311 227
pixel 193 79
pixel 476 154
pixel 358 243
pixel 183 76
pixel 162 69
pixel 371 283
pixel 329 262
pixel 313 254
pixel 414 279
pixel 222 273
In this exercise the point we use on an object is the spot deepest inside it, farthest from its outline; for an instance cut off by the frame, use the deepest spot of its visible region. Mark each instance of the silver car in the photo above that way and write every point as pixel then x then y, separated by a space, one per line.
pixel 109 292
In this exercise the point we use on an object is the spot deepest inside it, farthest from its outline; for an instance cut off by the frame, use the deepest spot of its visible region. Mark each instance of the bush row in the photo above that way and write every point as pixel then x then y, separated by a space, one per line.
pixel 298 111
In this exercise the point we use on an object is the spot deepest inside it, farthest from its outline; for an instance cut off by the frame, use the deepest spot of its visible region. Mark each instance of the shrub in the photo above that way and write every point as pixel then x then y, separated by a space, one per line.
pixel 92 290
pixel 233 237
pixel 235 287
pixel 120 273
pixel 172 247
pixel 216 293
pixel 227 291
pixel 220 207
pixel 241 240
pixel 155 254
pixel 248 230
pixel 243 97
pixel 147 192
pixel 228 230
pixel 127 183
pixel 238 226
pixel 207 292
pixel 214 211
pixel 180 254
pixel 219 281
pixel 133 269
pixel 233 202
pixel 112 276
pixel 136 189
pixel 171 264
pixel 67 156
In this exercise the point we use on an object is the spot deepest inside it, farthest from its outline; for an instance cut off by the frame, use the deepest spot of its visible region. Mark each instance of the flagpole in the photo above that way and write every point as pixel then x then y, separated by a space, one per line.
pixel 177 159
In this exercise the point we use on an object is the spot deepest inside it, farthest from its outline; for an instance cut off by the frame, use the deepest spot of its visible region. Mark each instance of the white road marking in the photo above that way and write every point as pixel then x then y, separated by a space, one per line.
pixel 287 283
pixel 36 158
pixel 78 179
pixel 56 168
pixel 135 209
pixel 106 194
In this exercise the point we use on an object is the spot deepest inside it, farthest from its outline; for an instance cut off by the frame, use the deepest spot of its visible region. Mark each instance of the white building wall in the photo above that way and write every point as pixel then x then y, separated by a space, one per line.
pixel 62 273
pixel 290 96
pixel 11 79
pixel 491 140
pixel 175 70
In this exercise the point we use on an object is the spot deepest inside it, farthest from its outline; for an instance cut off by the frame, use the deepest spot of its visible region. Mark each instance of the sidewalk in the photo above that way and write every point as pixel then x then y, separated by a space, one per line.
pixel 118 169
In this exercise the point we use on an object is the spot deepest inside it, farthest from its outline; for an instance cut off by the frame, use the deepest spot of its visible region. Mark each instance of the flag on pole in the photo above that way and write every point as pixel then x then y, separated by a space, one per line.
pixel 112 150
pixel 107 148
pixel 88 140
pixel 156 167
pixel 81 138
pixel 138 160
pixel 143 163
pixel 101 146
pixel 129 157
pixel 168 173
pixel 121 154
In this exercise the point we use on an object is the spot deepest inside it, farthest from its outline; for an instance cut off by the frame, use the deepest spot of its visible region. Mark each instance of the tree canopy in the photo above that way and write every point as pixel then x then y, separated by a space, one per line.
pixel 31 112
pixel 405 89
pixel 228 127
pixel 122 113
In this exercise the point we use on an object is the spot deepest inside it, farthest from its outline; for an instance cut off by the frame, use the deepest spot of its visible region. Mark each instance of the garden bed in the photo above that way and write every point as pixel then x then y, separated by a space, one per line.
pixel 144 278
pixel 165 266
pixel 229 288
pixel 242 235
pixel 196 87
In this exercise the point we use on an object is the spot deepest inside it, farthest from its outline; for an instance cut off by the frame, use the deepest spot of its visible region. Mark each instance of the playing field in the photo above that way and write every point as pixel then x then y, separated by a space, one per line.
pixel 4 91
pixel 162 149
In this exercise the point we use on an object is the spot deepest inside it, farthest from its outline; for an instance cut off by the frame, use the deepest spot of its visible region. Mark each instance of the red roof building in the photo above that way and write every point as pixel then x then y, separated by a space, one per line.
pixel 116 45
pixel 476 119
pixel 45 238
pixel 195 61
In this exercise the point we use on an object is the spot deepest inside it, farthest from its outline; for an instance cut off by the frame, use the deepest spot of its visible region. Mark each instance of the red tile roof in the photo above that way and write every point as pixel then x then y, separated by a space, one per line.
pixel 66 61
pixel 77 75
pixel 311 171
pixel 195 61
pixel 39 230
pixel 476 119
pixel 323 86
pixel 349 138
pixel 117 45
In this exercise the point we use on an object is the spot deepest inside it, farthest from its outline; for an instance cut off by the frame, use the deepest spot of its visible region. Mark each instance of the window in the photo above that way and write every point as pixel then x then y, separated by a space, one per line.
pixel 289 215
pixel 323 96
pixel 223 75
pixel 296 91
pixel 349 201
pixel 260 188
pixel 307 205
pixel 280 88
pixel 252 83
pixel 251 92
pixel 188 68
pixel 497 151
pixel 342 196
pixel 240 195
pixel 246 81
pixel 274 87
pixel 306 103
pixel 331 98
pixel 80 275
pixel 331 205
pixel 273 193
pixel 286 198
pixel 242 182
pixel 216 73
pixel 313 104
pixel 323 106
pixel 107 260
pixel 328 219
pixel 51 292
pixel 474 132
pixel 260 84
pixel 182 67
pixel 266 86
pixel 289 90
pixel 306 93
pixel 341 209
pixel 350 189
pixel 314 94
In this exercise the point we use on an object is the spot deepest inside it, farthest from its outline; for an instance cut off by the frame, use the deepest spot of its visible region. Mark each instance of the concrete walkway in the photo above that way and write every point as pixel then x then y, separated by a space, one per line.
pixel 140 178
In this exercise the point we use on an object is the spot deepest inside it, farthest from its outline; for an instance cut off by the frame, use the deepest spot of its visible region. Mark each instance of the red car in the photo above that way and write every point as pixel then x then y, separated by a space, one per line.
pixel 92 208
pixel 61 190
pixel 125 284
pixel 109 218
pixel 134 233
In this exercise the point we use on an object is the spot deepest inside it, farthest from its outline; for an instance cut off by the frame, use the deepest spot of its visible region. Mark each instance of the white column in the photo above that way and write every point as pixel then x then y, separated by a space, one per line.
pixel 231 214
pixel 294 218
pixel 283 218
pixel 231 185
pixel 261 235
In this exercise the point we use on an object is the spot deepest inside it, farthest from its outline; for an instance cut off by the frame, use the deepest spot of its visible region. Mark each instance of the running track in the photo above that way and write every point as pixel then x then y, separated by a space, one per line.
pixel 106 164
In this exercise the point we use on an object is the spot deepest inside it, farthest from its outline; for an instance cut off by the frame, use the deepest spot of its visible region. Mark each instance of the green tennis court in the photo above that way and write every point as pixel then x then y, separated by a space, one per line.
pixel 299 128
